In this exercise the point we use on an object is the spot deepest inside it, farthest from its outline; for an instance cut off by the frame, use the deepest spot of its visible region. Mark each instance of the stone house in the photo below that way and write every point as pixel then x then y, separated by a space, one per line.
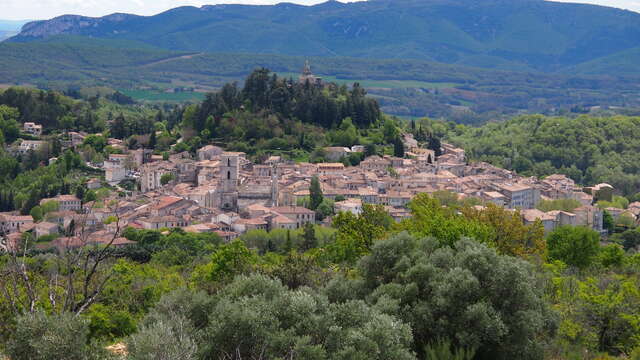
pixel 10 223
pixel 65 202
pixel 209 152
pixel 45 228
pixel 336 153
pixel 298 214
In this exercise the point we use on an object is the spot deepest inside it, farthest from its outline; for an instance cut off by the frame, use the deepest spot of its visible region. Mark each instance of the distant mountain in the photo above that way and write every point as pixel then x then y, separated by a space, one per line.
pixel 503 34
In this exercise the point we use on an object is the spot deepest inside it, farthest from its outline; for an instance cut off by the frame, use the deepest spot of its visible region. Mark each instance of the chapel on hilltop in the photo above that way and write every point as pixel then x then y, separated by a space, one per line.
pixel 307 75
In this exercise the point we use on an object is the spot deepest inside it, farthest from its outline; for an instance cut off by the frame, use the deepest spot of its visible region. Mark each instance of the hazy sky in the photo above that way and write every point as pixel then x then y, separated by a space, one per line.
pixel 45 9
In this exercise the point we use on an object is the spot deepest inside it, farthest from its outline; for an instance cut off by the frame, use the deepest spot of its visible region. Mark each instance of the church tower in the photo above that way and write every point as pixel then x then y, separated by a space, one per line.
pixel 274 185
pixel 229 179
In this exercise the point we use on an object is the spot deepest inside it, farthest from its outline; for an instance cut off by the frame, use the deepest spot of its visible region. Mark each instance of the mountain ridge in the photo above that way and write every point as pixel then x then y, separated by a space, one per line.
pixel 508 35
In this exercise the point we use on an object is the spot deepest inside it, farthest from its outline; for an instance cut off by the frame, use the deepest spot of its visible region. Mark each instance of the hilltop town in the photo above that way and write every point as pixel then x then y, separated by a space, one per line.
pixel 211 190
pixel 224 193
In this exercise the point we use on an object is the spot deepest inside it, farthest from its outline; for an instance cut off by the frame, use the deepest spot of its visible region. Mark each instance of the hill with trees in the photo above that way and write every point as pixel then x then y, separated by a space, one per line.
pixel 401 86
pixel 589 149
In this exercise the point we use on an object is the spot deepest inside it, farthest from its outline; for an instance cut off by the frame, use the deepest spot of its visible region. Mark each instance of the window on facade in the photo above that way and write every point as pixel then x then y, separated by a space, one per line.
pixel 228 175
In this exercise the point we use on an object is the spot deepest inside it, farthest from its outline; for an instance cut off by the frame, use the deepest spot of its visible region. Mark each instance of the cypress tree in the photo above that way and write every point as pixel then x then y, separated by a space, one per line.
pixel 152 140
pixel 315 193
pixel 398 148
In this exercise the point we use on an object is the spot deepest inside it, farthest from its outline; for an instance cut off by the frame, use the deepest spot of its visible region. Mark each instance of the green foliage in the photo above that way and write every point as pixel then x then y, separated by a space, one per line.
pixel 398 147
pixel 166 178
pixel 175 248
pixel 226 262
pixel 630 239
pixel 42 337
pixel 9 127
pixel 107 323
pixel 559 204
pixel 611 255
pixel 325 209
pixel 309 240
pixel 315 193
pixel 573 245
pixel 466 293
pixel 357 233
pixel 509 234
pixel 442 350
pixel 608 223
pixel 50 206
pixel 599 314
pixel 619 202
pixel 446 198
pixel 429 218
pixel 36 213
pixel 257 317
pixel 265 93
pixel 169 330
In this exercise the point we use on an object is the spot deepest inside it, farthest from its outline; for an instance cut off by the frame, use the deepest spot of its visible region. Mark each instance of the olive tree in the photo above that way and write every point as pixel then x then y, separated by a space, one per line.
pixel 466 294
pixel 257 317
pixel 39 336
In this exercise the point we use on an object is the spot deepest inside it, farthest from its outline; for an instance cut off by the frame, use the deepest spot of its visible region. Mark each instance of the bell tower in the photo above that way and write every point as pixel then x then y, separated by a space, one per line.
pixel 229 178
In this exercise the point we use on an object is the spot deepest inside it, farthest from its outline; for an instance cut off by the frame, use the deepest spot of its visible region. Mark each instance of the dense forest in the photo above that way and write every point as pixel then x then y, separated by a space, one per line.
pixel 265 92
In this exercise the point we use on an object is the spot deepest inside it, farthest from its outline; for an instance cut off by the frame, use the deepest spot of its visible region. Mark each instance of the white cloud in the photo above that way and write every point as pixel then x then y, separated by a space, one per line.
pixel 45 9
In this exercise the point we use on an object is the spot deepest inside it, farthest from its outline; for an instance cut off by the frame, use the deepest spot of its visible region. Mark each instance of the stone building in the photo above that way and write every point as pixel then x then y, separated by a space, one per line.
pixel 307 76
pixel 229 174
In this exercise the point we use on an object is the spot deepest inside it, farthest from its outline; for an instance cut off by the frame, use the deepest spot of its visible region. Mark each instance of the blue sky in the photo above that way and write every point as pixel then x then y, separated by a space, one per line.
pixel 44 9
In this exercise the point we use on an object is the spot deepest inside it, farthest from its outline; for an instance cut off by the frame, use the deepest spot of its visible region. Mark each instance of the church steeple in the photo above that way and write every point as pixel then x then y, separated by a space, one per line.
pixel 307 68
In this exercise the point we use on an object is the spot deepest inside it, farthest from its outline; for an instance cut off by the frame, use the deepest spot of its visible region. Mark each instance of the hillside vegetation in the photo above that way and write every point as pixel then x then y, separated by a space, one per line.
pixel 588 149
pixel 403 87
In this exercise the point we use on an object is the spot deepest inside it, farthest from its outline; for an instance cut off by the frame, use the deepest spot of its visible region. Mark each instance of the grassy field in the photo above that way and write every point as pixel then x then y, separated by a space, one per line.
pixel 154 95
pixel 384 84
